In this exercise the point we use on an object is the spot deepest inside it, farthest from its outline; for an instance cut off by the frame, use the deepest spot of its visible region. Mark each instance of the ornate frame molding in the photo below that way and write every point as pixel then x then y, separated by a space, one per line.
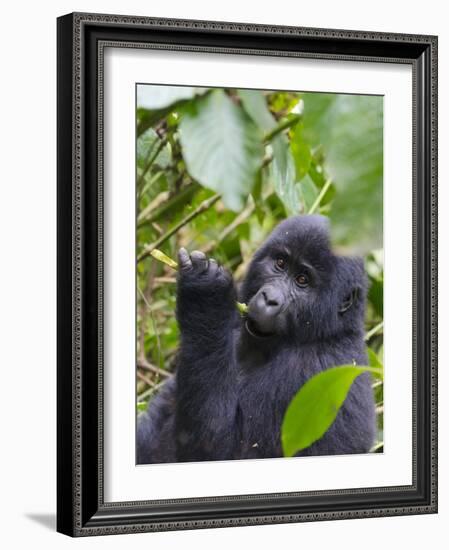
pixel 81 42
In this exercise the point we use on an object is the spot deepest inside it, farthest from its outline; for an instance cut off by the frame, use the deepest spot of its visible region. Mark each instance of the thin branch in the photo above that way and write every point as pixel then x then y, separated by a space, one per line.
pixel 374 331
pixel 284 125
pixel 205 205
pixel 143 364
pixel 323 191
pixel 149 215
pixel 145 379
pixel 376 447
pixel 148 183
pixel 150 391
pixel 155 203
pixel 164 280
pixel 152 158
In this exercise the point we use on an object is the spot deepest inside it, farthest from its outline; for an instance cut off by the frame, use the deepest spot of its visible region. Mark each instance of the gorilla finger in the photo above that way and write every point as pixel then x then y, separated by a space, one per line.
pixel 213 266
pixel 199 260
pixel 184 259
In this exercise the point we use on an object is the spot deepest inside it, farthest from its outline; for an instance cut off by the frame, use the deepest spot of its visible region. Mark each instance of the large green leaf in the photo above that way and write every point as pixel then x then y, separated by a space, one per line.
pixel 374 360
pixel 154 97
pixel 308 192
pixel 255 105
pixel 314 408
pixel 282 167
pixel 282 171
pixel 222 146
pixel 350 128
pixel 156 102
pixel 302 154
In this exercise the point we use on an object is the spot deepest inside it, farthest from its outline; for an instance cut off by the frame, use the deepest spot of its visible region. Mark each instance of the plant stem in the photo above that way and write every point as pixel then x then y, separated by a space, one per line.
pixel 374 331
pixel 323 191
pixel 205 205
pixel 143 364
pixel 152 158
pixel 284 125
pixel 151 215
pixel 145 379
pixel 376 447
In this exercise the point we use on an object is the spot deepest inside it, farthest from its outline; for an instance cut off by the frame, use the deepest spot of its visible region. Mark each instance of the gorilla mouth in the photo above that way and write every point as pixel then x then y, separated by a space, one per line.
pixel 254 331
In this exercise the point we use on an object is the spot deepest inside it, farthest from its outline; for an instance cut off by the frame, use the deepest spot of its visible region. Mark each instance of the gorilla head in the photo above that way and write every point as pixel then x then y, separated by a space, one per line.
pixel 297 288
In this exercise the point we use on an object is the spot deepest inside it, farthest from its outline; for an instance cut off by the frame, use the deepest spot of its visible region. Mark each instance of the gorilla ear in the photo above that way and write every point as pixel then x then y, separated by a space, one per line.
pixel 349 301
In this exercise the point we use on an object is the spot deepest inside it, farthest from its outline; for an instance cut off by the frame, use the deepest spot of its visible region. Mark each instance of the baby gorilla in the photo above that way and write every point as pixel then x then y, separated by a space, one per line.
pixel 236 375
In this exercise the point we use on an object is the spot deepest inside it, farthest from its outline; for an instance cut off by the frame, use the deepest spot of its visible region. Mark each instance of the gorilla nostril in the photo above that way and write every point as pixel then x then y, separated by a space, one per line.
pixel 269 300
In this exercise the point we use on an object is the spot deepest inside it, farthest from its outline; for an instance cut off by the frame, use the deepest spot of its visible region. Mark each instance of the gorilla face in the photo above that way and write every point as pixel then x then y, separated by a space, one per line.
pixel 297 288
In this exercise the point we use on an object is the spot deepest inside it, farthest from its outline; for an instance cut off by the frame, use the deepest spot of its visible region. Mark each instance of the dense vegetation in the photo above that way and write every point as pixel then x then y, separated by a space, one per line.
pixel 217 169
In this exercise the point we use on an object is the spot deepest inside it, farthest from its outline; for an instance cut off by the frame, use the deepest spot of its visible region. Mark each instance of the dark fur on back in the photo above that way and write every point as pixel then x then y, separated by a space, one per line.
pixel 233 384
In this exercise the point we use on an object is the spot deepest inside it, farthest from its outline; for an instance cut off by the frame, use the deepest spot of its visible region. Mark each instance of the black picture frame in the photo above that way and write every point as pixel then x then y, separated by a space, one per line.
pixel 81 509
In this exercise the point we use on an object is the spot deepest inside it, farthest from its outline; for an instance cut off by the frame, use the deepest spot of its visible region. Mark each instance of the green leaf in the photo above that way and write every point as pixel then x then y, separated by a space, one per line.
pixel 374 360
pixel 141 406
pixel 255 105
pixel 257 198
pixel 350 130
pixel 282 170
pixel 301 152
pixel 376 295
pixel 222 147
pixel 314 408
pixel 154 97
pixel 161 257
pixel 282 167
pixel 308 192
pixel 147 145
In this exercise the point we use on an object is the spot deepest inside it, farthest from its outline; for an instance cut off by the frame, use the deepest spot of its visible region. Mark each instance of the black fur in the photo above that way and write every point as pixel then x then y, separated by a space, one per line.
pixel 236 376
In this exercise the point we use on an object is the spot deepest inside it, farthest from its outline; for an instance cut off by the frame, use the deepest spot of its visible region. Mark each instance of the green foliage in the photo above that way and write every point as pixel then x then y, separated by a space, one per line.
pixel 350 130
pixel 218 169
pixel 221 146
pixel 314 408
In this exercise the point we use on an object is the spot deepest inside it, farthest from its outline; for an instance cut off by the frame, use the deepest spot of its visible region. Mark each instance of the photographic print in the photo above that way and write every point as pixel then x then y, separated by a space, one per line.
pixel 259 279
pixel 247 270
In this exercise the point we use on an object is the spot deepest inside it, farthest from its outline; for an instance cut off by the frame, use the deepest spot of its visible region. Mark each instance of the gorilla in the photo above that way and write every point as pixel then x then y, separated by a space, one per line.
pixel 237 374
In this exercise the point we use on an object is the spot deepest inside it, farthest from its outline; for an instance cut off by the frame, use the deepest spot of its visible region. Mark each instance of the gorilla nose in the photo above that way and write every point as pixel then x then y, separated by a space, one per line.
pixel 264 310
pixel 270 300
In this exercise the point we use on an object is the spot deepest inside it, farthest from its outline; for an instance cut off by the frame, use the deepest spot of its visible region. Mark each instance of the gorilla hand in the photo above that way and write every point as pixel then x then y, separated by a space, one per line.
pixel 199 273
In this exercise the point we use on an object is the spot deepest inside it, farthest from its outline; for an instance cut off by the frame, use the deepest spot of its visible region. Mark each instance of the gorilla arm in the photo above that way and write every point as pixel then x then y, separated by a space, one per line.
pixel 206 384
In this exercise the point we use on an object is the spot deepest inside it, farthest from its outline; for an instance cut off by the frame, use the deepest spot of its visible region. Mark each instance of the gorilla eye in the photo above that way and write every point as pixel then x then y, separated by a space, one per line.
pixel 280 263
pixel 302 279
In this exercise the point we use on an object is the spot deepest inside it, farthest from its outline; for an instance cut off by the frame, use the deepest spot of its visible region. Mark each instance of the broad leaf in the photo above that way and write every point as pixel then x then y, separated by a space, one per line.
pixel 350 129
pixel 282 171
pixel 308 192
pixel 255 105
pixel 282 167
pixel 315 407
pixel 301 152
pixel 222 146
pixel 374 360
pixel 154 97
